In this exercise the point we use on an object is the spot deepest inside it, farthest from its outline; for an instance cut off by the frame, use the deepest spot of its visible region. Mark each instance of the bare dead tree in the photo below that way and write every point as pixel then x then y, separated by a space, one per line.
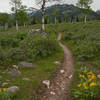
pixel 42 5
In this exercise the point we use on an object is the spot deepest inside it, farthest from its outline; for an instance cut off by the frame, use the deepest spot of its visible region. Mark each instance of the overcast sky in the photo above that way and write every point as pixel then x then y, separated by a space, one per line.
pixel 5 6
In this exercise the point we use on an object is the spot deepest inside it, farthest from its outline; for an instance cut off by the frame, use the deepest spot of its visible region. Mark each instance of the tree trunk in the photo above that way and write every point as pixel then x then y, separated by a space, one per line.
pixel 71 20
pixel 43 27
pixel 16 25
pixel 6 26
pixel 75 19
pixel 85 19
pixel 43 20
pixel 65 20
pixel 48 21
pixel 55 20
pixel 24 25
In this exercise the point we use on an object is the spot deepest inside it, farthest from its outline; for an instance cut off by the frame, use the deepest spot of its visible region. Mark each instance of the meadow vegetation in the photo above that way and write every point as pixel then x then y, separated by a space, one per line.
pixel 40 50
pixel 83 40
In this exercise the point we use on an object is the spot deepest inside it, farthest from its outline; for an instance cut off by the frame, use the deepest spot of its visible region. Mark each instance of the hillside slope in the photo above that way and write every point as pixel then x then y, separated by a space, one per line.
pixel 69 10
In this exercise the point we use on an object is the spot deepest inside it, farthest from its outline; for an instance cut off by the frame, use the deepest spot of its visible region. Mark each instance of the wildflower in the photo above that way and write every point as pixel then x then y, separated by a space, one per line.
pixel 79 85
pixel 85 86
pixel 90 80
pixel 89 76
pixel 98 76
pixel 4 89
pixel 90 73
pixel 93 84
pixel 93 76
pixel 82 76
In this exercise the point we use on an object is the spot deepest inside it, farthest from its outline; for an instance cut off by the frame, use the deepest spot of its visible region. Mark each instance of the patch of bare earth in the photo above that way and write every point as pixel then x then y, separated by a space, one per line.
pixel 60 85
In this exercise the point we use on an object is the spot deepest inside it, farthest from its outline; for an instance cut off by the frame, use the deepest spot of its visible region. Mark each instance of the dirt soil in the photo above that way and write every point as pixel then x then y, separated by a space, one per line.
pixel 60 86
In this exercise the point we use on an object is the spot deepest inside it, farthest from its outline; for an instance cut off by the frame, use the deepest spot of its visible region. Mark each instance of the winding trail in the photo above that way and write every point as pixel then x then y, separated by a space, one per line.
pixel 61 83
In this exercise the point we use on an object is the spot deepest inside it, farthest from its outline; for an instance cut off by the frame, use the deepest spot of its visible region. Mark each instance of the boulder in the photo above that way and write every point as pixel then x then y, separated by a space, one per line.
pixel 14 73
pixel 13 89
pixel 26 64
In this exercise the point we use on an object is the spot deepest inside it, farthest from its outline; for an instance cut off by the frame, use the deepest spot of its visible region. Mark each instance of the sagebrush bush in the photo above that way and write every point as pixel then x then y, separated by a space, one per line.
pixel 86 50
pixel 38 46
pixel 21 47
pixel 83 39
pixel 11 40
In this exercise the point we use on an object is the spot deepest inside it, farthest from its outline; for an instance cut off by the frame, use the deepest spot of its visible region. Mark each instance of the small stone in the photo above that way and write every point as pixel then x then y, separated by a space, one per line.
pixel 26 79
pixel 4 84
pixel 53 93
pixel 47 83
pixel 8 80
pixel 57 83
pixel 26 65
pixel 70 76
pixel 13 89
pixel 57 63
pixel 63 88
pixel 15 66
pixel 14 73
pixel 62 71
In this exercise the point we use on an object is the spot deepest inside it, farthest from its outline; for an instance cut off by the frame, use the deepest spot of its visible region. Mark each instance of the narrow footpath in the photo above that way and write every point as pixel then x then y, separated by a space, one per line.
pixel 60 86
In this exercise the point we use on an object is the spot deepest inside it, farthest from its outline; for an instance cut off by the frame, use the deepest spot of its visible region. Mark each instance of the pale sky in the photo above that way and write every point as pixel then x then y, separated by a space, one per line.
pixel 5 6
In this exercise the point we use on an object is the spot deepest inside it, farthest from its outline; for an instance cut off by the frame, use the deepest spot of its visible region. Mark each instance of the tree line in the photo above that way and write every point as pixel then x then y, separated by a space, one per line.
pixel 20 16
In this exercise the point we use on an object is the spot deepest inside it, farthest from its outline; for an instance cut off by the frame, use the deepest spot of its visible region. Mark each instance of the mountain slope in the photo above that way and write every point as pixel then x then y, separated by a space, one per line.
pixel 69 10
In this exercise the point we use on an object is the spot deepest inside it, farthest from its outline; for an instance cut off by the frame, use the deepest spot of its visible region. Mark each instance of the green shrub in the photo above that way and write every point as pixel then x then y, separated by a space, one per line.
pixel 4 59
pixel 31 48
pixel 83 39
pixel 86 50
pixel 21 46
pixel 11 40
pixel 9 44
pixel 17 54
pixel 39 46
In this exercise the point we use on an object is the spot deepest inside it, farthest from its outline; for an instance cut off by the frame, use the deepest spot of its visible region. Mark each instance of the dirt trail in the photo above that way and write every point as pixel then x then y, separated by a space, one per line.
pixel 61 83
